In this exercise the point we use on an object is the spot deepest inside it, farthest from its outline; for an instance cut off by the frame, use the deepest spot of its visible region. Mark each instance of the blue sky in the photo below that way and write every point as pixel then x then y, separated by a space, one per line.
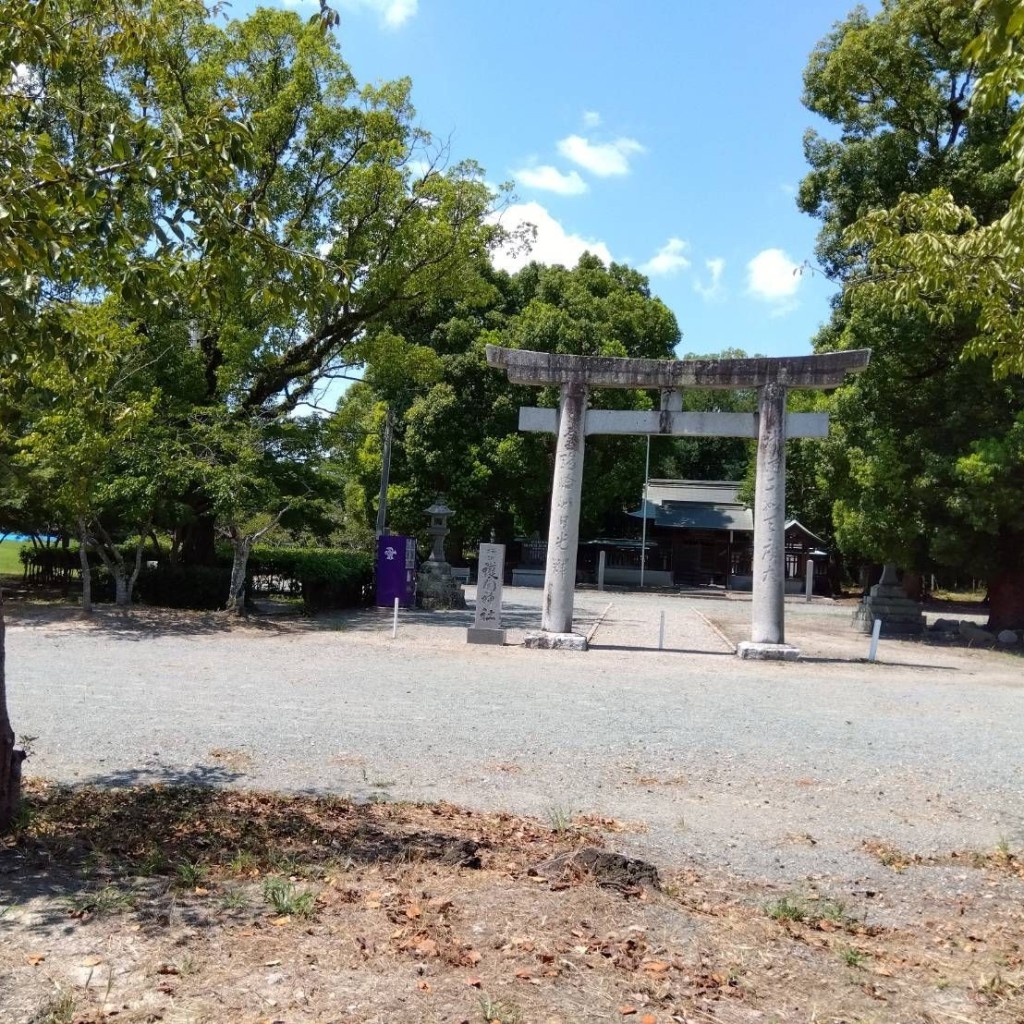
pixel 666 134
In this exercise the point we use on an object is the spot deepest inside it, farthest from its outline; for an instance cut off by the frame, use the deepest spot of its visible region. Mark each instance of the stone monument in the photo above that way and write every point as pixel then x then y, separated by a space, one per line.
pixel 887 601
pixel 437 587
pixel 490 573
pixel 575 376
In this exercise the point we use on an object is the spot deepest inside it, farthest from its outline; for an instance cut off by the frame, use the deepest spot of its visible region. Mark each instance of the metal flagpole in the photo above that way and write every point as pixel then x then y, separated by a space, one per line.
pixel 643 541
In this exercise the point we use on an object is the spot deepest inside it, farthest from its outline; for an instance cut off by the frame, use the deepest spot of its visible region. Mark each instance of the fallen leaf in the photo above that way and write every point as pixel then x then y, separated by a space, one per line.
pixel 475 982
pixel 413 912
pixel 423 985
pixel 523 975
pixel 472 957
pixel 91 961
pixel 373 904
pixel 200 891
pixel 32 959
pixel 655 966
pixel 648 1018
pixel 626 1011
pixel 278 921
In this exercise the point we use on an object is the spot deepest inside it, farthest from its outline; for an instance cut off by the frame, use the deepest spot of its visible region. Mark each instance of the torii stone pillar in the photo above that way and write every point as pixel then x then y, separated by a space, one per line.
pixel 564 529
pixel 769 561
pixel 771 425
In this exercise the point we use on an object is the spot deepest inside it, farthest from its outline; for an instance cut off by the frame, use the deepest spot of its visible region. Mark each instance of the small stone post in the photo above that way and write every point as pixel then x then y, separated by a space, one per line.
pixel 767 632
pixel 566 499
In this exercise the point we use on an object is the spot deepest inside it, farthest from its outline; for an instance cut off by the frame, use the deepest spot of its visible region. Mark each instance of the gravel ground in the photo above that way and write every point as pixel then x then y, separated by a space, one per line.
pixel 769 771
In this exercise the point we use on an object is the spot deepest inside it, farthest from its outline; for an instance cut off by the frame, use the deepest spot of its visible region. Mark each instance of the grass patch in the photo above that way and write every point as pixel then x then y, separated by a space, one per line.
pixel 100 902
pixel 286 900
pixel 561 818
pixel 497 1011
pixel 10 561
pixel 59 1010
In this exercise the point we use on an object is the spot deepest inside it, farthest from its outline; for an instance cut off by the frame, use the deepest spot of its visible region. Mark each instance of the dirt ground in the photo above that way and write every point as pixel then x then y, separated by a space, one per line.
pixel 205 906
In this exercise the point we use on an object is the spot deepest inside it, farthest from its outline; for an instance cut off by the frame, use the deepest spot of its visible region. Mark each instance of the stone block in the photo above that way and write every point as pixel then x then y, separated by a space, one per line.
pixel 976 635
pixel 945 626
pixel 1008 637
pixel 767 652
pixel 485 635
pixel 543 641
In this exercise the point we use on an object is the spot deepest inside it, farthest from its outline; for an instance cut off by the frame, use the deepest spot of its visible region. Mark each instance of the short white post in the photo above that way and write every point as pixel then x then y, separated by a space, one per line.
pixel 601 559
pixel 876 632
pixel 661 633
pixel 810 578
pixel 394 621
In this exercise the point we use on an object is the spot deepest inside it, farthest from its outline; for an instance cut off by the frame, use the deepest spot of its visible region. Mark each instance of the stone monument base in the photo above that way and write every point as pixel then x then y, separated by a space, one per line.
pixel 767 652
pixel 484 635
pixel 543 641
pixel 438 588
pixel 887 601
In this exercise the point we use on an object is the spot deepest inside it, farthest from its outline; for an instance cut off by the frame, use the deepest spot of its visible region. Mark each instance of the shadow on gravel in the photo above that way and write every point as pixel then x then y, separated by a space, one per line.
pixel 880 663
pixel 512 617
pixel 646 649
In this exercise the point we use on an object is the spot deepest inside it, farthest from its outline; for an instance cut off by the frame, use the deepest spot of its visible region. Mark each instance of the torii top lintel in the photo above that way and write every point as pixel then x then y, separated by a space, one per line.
pixel 541 368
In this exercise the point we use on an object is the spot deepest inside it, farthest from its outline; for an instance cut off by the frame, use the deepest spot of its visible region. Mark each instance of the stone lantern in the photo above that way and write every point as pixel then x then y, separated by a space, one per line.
pixel 439 514
pixel 437 587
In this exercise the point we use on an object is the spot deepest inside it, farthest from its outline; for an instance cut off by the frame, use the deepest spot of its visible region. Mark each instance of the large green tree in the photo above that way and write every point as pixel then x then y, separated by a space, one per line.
pixel 250 208
pixel 458 426
pixel 921 456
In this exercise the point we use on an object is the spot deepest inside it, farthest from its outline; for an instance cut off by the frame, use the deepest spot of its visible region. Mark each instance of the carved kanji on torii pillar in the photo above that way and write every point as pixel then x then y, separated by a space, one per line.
pixel 771 425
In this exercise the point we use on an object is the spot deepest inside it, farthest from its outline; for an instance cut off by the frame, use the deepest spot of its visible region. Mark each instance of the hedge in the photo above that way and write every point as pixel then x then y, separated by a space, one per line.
pixel 326 577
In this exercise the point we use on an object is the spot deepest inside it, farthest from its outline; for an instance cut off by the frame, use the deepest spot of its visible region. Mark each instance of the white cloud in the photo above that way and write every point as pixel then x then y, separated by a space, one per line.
pixel 393 13
pixel 591 118
pixel 669 259
pixel 553 244
pixel 715 268
pixel 773 276
pixel 551 179
pixel 601 158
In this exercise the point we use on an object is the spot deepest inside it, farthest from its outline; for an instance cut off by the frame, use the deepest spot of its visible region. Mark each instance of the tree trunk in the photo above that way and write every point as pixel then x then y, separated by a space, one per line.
pixel 83 557
pixel 239 563
pixel 199 538
pixel 1006 600
pixel 11 756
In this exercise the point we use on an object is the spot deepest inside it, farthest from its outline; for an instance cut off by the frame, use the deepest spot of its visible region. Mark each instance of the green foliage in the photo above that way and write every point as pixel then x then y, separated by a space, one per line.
pixel 458 425
pixel 327 578
pixel 923 457
pixel 319 565
pixel 940 246
pixel 199 222
pixel 285 898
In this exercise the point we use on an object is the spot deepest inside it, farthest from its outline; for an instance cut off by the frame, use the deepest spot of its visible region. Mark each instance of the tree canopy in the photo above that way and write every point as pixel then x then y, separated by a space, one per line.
pixel 914 437
pixel 458 429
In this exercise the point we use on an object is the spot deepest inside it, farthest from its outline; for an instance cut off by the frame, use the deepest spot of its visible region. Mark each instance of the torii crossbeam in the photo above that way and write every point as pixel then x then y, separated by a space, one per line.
pixel 772 377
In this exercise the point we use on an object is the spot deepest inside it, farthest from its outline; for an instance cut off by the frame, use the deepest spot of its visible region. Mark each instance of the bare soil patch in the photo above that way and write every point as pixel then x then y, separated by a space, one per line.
pixel 202 905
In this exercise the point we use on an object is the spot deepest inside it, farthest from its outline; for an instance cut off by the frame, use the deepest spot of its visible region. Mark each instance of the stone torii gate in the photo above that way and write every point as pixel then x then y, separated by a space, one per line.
pixel 771 425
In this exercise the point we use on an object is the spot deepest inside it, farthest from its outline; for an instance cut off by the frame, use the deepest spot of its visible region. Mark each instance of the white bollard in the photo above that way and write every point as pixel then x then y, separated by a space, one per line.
pixel 601 559
pixel 810 579
pixel 394 622
pixel 661 633
pixel 875 633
